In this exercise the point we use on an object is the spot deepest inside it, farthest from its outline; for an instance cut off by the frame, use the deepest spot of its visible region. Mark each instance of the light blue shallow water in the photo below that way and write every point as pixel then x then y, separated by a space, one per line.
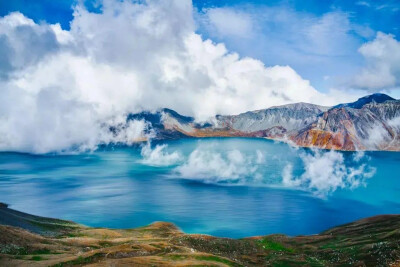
pixel 225 187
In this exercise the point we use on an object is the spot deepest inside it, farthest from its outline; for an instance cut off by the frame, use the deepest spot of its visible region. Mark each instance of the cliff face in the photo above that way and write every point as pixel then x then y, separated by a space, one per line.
pixel 370 123
pixel 374 126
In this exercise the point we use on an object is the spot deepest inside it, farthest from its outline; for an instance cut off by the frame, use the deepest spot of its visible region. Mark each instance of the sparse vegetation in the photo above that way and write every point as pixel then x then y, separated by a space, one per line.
pixel 217 259
pixel 81 260
pixel 13 249
pixel 370 242
pixel 177 257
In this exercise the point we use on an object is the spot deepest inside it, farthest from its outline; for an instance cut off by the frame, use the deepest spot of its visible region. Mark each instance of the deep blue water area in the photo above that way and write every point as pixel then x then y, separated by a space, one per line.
pixel 231 187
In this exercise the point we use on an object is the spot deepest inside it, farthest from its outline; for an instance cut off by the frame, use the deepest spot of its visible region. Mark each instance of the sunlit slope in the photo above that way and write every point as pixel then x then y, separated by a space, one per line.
pixel 369 242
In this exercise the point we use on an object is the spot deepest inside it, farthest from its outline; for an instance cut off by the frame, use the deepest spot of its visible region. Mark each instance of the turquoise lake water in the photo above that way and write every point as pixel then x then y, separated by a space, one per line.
pixel 231 187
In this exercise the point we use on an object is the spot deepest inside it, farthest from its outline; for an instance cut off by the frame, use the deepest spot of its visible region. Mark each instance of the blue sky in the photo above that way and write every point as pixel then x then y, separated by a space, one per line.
pixel 273 37
pixel 378 14
pixel 331 56
pixel 220 57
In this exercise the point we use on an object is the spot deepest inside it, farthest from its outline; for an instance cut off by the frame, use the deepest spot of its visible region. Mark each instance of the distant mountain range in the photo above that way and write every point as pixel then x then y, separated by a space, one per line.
pixel 370 123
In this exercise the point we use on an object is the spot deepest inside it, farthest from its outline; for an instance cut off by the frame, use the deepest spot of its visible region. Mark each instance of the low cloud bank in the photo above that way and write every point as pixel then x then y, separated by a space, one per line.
pixel 325 172
pixel 205 163
pixel 321 172
pixel 159 156
pixel 379 137
pixel 217 167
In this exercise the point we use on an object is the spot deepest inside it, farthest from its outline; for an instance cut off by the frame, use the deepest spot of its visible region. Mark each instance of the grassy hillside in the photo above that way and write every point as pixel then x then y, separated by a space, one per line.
pixel 27 240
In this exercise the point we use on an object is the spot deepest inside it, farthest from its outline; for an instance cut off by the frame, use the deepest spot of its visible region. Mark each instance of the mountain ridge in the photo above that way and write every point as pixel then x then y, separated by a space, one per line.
pixel 370 123
pixel 373 98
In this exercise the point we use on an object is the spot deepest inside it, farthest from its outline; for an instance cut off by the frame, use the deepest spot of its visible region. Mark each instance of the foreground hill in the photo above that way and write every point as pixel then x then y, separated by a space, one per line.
pixel 42 241
pixel 370 123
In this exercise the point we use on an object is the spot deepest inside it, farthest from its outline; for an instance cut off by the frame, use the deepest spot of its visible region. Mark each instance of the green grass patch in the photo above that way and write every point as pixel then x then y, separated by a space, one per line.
pixel 217 259
pixel 12 249
pixel 37 258
pixel 53 225
pixel 76 234
pixel 41 251
pixel 334 243
pixel 268 244
pixel 314 262
pixel 286 263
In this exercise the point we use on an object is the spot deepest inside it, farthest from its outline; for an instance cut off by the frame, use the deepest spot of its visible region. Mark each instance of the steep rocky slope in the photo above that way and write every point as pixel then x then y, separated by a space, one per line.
pixel 274 122
pixel 374 126
pixel 370 123
pixel 290 117
pixel 373 241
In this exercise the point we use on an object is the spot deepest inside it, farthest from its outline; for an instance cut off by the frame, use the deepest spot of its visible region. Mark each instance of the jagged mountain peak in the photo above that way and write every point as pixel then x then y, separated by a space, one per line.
pixel 177 116
pixel 374 98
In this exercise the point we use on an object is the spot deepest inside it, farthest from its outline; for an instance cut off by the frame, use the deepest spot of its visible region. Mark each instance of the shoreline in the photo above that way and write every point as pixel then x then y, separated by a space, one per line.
pixel 28 240
pixel 164 140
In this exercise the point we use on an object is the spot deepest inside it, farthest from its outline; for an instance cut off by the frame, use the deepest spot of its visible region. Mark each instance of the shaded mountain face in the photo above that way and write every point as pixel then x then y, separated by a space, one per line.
pixel 374 98
pixel 370 123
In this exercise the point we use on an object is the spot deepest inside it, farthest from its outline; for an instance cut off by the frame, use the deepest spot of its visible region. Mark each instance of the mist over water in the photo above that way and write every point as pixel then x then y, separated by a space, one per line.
pixel 231 187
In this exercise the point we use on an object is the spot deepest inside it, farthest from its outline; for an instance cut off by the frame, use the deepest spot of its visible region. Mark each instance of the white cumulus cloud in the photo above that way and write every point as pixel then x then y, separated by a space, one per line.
pixel 59 87
pixel 382 70
pixel 230 22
